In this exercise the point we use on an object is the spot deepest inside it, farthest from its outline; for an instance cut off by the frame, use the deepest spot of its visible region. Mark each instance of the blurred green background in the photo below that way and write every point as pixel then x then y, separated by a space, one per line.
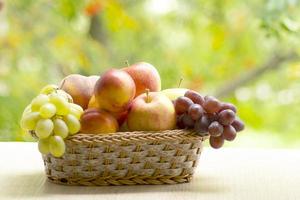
pixel 245 52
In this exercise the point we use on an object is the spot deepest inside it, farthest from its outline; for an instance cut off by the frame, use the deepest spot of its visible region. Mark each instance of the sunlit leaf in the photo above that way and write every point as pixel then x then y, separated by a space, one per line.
pixel 290 25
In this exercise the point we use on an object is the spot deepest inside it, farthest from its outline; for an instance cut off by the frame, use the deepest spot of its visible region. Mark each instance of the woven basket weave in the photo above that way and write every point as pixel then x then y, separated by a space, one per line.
pixel 126 158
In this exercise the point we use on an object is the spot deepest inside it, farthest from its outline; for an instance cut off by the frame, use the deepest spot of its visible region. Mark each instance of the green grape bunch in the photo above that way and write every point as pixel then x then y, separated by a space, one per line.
pixel 51 117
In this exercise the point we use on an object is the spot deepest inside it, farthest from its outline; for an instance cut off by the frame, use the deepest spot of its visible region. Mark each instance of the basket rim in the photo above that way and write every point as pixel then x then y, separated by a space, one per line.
pixel 136 136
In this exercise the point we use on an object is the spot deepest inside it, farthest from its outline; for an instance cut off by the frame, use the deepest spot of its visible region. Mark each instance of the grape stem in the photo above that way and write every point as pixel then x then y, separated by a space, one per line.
pixel 32 133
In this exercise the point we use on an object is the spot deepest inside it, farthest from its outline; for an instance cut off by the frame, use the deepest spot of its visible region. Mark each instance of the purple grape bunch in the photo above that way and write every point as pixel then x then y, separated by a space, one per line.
pixel 208 117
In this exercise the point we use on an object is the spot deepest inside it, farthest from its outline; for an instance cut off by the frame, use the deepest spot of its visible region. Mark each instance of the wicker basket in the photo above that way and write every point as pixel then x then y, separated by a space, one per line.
pixel 126 158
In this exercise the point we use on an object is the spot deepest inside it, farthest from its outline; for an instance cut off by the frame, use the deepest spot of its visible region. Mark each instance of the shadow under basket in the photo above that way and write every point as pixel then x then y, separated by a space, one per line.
pixel 126 158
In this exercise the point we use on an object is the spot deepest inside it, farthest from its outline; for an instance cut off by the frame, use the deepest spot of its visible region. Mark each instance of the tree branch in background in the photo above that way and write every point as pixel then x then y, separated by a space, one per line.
pixel 1 5
pixel 96 30
pixel 273 63
pixel 98 33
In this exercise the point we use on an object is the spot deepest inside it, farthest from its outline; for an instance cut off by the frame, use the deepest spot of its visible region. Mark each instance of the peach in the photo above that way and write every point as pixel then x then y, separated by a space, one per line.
pixel 93 103
pixel 114 91
pixel 151 112
pixel 145 77
pixel 80 87
pixel 120 116
pixel 98 121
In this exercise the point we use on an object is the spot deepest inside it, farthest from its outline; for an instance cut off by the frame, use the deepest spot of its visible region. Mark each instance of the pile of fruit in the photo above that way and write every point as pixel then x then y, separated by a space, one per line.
pixel 127 99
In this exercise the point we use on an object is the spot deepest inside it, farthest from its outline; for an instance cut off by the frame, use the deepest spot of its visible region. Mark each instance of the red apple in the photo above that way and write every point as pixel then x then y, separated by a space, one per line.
pixel 151 112
pixel 145 77
pixel 114 91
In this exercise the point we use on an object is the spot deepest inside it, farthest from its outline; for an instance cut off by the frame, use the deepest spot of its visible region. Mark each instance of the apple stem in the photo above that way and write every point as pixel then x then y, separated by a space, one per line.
pixel 127 63
pixel 60 87
pixel 147 95
pixel 180 81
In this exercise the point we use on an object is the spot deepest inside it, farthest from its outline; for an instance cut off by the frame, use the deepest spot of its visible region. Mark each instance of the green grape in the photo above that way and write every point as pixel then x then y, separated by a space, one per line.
pixel 43 145
pixel 47 110
pixel 60 128
pixel 48 89
pixel 72 123
pixel 76 106
pixel 29 120
pixel 62 105
pixel 57 146
pixel 65 95
pixel 44 128
pixel 38 101
pixel 26 110
pixel 75 110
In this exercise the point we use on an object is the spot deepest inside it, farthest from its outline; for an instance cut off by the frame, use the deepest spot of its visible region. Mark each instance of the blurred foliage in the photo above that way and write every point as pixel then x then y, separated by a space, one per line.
pixel 208 43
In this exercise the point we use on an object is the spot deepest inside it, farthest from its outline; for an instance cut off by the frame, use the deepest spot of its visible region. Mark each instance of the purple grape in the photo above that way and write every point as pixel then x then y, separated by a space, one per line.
pixel 215 129
pixel 216 142
pixel 194 96
pixel 195 111
pixel 211 104
pixel 229 133
pixel 182 104
pixel 188 121
pixel 201 125
pixel 225 106
pixel 212 117
pixel 179 122
pixel 226 117
pixel 238 125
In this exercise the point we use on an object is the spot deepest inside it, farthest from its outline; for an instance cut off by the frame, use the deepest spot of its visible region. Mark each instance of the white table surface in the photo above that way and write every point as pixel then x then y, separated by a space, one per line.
pixel 222 174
